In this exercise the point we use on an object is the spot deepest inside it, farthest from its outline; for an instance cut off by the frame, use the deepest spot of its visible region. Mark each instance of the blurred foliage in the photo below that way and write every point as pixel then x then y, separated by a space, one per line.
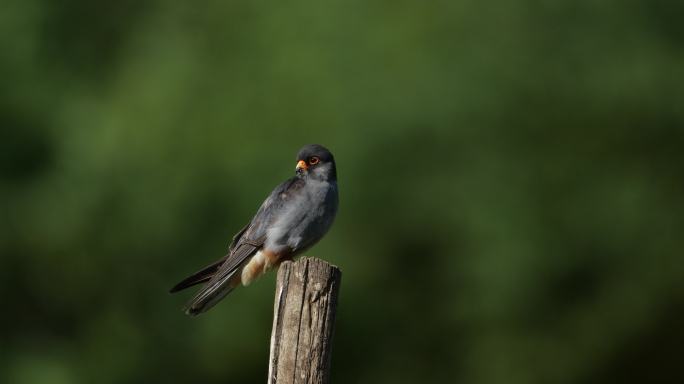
pixel 512 185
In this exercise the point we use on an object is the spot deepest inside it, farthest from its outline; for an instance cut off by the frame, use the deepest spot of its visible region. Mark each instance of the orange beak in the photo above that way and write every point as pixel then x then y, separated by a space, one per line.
pixel 301 165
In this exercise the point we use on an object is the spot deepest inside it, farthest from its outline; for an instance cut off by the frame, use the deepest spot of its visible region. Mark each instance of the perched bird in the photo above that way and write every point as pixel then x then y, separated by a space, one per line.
pixel 294 217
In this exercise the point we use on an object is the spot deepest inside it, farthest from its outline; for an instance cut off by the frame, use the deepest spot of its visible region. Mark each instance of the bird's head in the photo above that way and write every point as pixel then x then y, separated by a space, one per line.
pixel 316 162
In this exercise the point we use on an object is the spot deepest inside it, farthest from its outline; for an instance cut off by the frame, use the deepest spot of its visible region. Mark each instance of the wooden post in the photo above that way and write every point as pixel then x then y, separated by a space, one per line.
pixel 303 322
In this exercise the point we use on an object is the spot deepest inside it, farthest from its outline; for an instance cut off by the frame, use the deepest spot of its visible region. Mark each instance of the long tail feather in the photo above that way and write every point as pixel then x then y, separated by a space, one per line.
pixel 222 280
pixel 198 277
pixel 212 293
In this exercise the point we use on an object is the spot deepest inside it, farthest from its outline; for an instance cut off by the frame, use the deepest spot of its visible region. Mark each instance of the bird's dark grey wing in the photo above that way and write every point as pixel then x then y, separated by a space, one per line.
pixel 234 241
pixel 273 207
pixel 245 244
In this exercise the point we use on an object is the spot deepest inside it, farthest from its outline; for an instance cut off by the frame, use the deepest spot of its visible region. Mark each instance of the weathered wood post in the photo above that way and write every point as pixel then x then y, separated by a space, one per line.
pixel 303 322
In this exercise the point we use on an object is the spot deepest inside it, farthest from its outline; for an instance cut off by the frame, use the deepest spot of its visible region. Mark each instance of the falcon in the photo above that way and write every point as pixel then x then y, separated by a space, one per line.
pixel 294 217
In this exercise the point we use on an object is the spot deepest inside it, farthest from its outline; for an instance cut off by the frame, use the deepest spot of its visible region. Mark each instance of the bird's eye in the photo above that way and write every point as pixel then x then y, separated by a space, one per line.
pixel 314 160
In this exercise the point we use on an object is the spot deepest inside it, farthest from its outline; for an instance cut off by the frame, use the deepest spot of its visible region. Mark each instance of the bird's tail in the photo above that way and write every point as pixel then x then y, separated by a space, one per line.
pixel 213 292
pixel 201 276
pixel 221 277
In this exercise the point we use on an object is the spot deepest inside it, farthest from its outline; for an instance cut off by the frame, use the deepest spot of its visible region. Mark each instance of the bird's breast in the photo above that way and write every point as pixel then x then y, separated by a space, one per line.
pixel 305 218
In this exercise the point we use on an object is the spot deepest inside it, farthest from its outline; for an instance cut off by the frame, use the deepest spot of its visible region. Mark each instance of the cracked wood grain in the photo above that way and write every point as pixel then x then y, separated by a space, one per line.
pixel 303 322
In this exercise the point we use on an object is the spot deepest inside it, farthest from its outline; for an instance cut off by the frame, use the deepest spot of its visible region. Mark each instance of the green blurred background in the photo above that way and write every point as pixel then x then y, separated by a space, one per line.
pixel 511 185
